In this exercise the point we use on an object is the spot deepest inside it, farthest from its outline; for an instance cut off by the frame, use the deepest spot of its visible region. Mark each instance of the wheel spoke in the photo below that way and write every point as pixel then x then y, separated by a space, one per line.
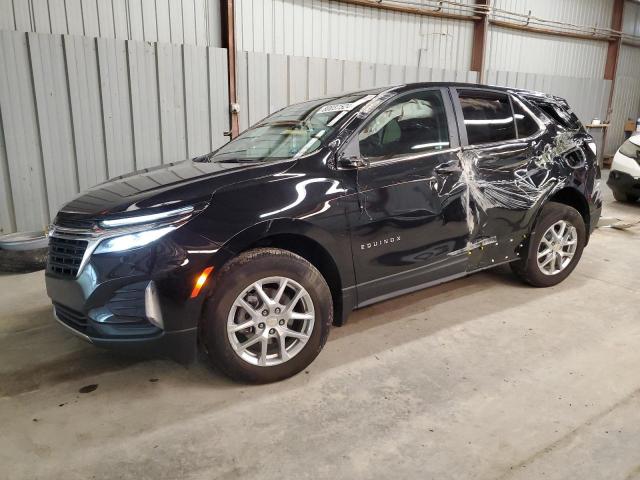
pixel 284 355
pixel 294 301
pixel 545 253
pixel 547 260
pixel 300 316
pixel 292 333
pixel 563 228
pixel 263 352
pixel 241 302
pixel 252 341
pixel 283 285
pixel 262 294
pixel 241 326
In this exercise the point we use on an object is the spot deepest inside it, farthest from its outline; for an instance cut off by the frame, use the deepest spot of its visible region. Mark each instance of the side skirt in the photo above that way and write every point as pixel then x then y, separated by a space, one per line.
pixel 433 283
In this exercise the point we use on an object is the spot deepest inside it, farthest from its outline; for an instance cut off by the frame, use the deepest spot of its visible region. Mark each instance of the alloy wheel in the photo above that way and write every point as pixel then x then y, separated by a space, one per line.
pixel 271 321
pixel 557 247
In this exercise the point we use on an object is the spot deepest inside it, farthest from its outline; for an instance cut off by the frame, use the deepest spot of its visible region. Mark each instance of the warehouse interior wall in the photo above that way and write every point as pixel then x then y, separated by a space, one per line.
pixel 93 89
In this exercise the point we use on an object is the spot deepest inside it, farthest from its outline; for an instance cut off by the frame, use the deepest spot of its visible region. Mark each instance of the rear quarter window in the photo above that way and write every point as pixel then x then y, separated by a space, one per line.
pixel 564 116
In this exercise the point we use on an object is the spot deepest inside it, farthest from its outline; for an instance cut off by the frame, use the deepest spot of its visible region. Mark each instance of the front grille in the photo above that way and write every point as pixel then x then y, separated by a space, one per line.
pixel 75 320
pixel 71 220
pixel 65 256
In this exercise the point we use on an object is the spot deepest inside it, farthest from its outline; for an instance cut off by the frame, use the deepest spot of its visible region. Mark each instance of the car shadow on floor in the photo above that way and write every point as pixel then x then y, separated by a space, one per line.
pixel 61 357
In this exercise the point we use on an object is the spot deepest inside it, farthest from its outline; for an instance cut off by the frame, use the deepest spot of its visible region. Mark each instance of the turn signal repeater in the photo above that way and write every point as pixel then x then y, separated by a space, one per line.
pixel 202 279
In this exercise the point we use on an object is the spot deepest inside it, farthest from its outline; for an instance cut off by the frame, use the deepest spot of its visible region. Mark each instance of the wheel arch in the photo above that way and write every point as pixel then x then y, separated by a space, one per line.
pixel 572 197
pixel 317 246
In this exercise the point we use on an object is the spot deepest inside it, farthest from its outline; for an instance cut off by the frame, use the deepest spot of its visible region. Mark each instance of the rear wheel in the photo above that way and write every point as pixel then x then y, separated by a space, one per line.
pixel 555 246
pixel 269 316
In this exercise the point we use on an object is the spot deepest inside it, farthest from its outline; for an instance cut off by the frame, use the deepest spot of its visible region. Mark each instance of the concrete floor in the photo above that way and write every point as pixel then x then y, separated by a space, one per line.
pixel 479 378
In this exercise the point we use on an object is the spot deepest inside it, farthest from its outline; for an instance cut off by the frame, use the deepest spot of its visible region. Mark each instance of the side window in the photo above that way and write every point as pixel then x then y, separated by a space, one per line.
pixel 487 116
pixel 414 123
pixel 526 125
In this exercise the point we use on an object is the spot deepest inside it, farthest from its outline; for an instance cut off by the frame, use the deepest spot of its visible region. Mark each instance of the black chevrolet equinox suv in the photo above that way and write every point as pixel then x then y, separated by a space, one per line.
pixel 252 252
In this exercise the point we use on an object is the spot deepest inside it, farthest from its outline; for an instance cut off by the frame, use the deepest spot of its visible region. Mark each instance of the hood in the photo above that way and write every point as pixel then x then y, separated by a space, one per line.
pixel 182 182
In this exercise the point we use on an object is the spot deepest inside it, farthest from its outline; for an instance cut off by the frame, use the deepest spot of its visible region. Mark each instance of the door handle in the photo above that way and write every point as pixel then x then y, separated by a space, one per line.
pixel 447 169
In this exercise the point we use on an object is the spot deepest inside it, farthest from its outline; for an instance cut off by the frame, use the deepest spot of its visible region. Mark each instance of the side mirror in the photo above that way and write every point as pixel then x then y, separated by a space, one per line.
pixel 351 161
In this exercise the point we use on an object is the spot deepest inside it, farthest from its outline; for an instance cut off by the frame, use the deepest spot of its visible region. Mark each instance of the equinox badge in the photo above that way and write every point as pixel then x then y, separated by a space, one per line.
pixel 379 243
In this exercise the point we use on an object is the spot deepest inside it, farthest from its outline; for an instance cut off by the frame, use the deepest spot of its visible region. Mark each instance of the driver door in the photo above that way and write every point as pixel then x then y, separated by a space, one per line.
pixel 411 227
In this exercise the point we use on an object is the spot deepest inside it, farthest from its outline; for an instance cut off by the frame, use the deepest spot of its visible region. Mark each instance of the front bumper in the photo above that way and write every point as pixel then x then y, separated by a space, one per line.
pixel 138 301
pixel 622 182
pixel 180 346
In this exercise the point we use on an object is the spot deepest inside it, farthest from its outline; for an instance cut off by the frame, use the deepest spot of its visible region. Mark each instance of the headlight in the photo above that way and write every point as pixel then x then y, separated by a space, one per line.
pixel 132 240
pixel 168 215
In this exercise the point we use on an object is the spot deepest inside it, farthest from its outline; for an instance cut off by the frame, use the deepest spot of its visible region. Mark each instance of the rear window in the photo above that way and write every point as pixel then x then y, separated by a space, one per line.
pixel 563 115
pixel 487 117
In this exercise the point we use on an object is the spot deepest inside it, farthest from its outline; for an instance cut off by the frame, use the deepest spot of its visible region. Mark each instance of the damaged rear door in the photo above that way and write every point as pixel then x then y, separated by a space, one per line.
pixel 505 171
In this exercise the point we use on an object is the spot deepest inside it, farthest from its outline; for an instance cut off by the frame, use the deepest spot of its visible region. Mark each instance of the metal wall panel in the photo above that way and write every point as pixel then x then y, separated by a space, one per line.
pixel 588 97
pixel 577 12
pixel 7 218
pixel 54 117
pixel 631 18
pixel 329 29
pixel 86 110
pixel 145 108
pixel 518 51
pixel 116 106
pixel 267 83
pixel 629 62
pixel 626 103
pixel 75 111
pixel 22 140
pixel 196 87
pixel 194 22
pixel 626 96
pixel 218 96
pixel 171 91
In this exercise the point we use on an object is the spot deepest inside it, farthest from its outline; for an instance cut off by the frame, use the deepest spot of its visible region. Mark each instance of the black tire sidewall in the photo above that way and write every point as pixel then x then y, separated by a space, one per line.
pixel 232 280
pixel 550 214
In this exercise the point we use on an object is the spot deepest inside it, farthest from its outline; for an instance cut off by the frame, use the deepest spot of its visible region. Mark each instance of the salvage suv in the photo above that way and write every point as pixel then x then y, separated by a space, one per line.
pixel 252 252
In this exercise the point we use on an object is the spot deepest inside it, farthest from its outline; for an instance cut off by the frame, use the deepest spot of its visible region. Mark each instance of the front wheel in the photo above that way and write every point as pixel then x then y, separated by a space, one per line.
pixel 555 246
pixel 269 316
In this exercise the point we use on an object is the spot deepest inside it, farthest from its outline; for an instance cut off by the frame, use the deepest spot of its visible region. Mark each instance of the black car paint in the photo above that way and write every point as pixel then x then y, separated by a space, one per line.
pixel 385 228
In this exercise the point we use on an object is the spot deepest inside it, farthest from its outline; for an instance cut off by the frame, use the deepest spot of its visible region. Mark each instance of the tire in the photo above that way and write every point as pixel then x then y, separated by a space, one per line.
pixel 552 215
pixel 23 261
pixel 624 197
pixel 237 279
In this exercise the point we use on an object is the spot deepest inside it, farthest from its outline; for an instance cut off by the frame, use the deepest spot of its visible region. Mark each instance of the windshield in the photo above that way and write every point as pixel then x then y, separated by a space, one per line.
pixel 294 131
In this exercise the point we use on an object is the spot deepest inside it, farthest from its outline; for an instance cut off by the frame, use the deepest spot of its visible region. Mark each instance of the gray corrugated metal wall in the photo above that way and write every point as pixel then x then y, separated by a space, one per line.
pixel 329 29
pixel 194 22
pixel 626 98
pixel 587 96
pixel 267 82
pixel 76 111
